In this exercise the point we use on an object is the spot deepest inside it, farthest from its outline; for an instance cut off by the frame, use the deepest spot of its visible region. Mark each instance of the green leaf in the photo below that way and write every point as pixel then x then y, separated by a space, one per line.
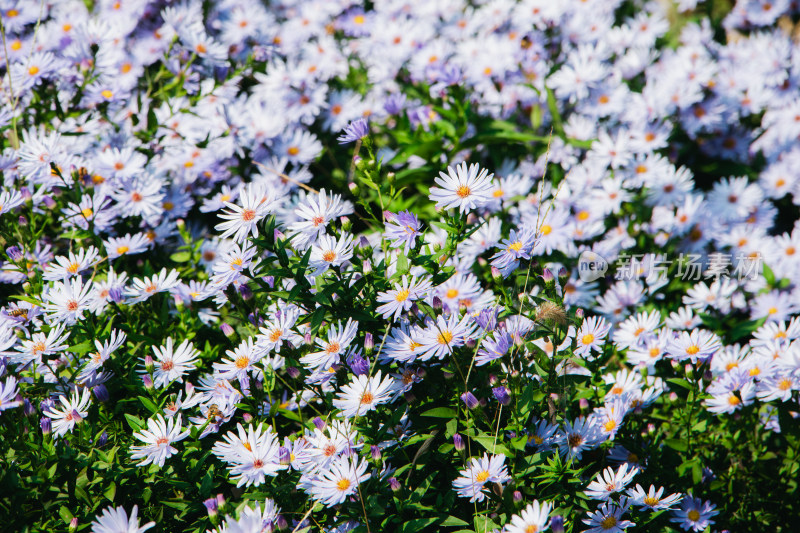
pixel 452 521
pixel 440 412
pixel 493 445
pixel 134 422
pixel 680 382
pixel 66 516
pixel 181 257
pixel 149 405
pixel 420 524
pixel 679 445
pixel 111 491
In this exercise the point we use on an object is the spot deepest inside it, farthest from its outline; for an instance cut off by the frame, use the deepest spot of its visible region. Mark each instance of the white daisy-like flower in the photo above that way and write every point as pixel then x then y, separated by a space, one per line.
pixel 339 338
pixel 251 455
pixel 363 394
pixel 172 363
pixel 608 482
pixel 401 297
pixel 340 481
pixel 532 519
pixel 330 252
pixel 652 499
pixel 66 302
pixel 240 361
pixel 243 219
pixel 8 394
pixel 72 411
pixel 144 288
pixel 158 439
pixel 487 469
pixel 64 268
pixel 465 188
pixel 117 521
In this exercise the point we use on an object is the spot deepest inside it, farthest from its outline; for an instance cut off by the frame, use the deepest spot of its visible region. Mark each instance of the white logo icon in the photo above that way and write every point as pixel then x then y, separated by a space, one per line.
pixel 591 266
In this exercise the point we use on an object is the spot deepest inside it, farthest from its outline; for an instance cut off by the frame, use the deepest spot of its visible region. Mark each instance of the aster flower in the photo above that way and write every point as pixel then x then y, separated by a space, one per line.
pixel 579 435
pixel 402 230
pixel 534 518
pixel 442 336
pixel 399 299
pixel 71 412
pixel 590 336
pixel 364 394
pixel 142 289
pixel 694 345
pixel 251 455
pixel 9 200
pixel 339 339
pixel 608 482
pixel 172 363
pixel 74 264
pixel 158 439
pixel 694 514
pixel 341 480
pixel 240 361
pixel 487 469
pixel 356 130
pixel 127 245
pixel 315 212
pixel 652 499
pixel 116 520
pixel 8 394
pixel 330 252
pixel 519 245
pixel 66 302
pixel 464 187
pixel 242 219
pixel 608 518
pixel 277 330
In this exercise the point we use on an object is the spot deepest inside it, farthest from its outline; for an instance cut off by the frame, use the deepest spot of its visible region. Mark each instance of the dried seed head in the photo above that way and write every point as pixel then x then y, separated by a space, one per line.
pixel 551 311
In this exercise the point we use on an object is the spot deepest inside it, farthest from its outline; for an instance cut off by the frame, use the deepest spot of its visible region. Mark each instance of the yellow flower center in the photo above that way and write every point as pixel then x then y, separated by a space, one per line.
pixel 367 398
pixel 329 256
pixel 444 337
pixel 402 295
pixel 587 339
pixel 733 400
pixel 482 476
pixel 122 249
pixel 608 522
pixel 649 500
pixel 343 484
pixel 516 246
pixel 294 150
pixel 33 71
pixel 242 362
pixel 106 94
pixel 451 293
pixel 693 349
pixel 693 515
pixel 546 229
pixel 463 191
pixel 87 212
pixel 610 425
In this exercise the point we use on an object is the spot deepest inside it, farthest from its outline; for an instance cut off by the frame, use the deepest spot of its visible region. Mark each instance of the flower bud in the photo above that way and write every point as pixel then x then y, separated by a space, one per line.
pixel 375 452
pixel 73 524
pixel 103 439
pixel 46 424
pixel 458 442
pixel 497 276
pixel 557 524
pixel 501 395
pixel 583 403
pixel 148 382
pixel 14 253
pixel 211 507
pixel 227 329
pixel 548 277
pixel 347 224
pixel 100 392
pixel 469 400
pixel 319 423
pixel 285 455
pixel 293 372
pixel 517 496
pixel 48 202
pixel 28 408
pixel 390 177
pixel 281 522
pixel 437 303
pixel 353 188
pixel 394 484
pixel 369 344
pixel 220 501
pixel 563 275
pixel 579 313
pixel 493 380
pixel 366 267
pixel 247 417
pixel 148 364
pixel 246 292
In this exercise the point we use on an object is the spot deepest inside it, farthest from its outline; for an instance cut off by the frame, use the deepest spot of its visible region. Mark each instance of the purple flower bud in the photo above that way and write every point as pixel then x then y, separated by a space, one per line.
pixel 14 253
pixel 281 522
pixel 501 394
pixel 548 276
pixel 394 484
pixel 293 372
pixel 148 382
pixel 353 187
pixel 46 405
pixel 517 496
pixel 211 506
pixel 284 455
pixel 148 363
pixel 358 364
pixel 247 417
pixel 369 343
pixel 73 524
pixel 22 221
pixel 227 329
pixel 319 423
pixel 458 442
pixel 307 338
pixel 469 400
pixel 115 294
pixel 557 524
pixel 48 202
pixel 496 274
pixel 563 274
pixel 579 312
pixel 103 439
pixel 277 235
pixel 375 452
pixel 437 303
pixel 270 280
pixel 583 403
pixel 492 380
pixel 220 501
pixel 101 393
pixel 26 193
pixel 28 408
pixel 245 291
pixel 46 424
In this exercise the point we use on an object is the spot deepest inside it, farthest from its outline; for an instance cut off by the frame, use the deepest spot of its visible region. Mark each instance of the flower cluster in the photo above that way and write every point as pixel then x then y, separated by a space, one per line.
pixel 344 267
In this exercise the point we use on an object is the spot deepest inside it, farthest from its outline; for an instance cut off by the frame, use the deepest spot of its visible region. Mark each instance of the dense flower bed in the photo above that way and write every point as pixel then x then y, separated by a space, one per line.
pixel 399 266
